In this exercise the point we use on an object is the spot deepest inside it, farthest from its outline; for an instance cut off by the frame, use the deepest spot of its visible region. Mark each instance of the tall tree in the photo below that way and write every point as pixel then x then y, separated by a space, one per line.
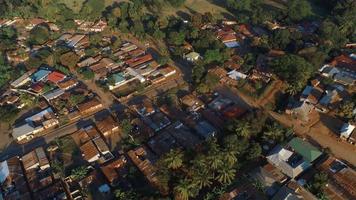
pixel 174 159
pixel 225 174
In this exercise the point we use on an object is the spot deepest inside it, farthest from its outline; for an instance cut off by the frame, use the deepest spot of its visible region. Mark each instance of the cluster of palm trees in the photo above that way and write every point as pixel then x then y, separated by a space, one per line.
pixel 216 163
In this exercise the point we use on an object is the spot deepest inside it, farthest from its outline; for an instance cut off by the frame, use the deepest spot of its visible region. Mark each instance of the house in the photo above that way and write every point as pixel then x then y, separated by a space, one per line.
pixel 144 160
pixel 37 169
pixel 108 126
pixel 352 138
pixel 35 159
pixel 67 84
pixel 74 41
pixel 205 130
pixel 303 111
pixel 311 95
pixel 183 135
pixel 40 75
pixel 162 143
pixel 87 62
pixel 22 80
pixel 54 191
pixel 53 94
pixel 346 131
pixel 270 177
pixel 341 179
pixel 213 118
pixel 35 124
pixel 233 111
pixel 294 158
pixel 105 154
pixel 89 152
pixel 133 62
pixel 14 186
pixel 34 22
pixel 144 108
pixel 56 77
pixel 220 104
pixel 235 75
pixel 90 106
pixel 112 171
pixel 157 121
pixel 192 56
pixel 119 79
pixel 192 102
pixel 37 87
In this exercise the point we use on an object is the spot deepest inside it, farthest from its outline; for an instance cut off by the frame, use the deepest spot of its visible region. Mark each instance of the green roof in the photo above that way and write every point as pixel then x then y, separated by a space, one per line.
pixel 308 151
pixel 119 77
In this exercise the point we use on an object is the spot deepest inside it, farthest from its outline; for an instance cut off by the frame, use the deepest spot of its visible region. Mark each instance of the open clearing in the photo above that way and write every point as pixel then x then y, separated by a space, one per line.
pixel 196 6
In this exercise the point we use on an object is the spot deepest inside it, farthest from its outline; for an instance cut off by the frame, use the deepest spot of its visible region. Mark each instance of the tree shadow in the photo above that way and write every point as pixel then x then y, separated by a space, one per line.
pixel 183 15
pixel 332 123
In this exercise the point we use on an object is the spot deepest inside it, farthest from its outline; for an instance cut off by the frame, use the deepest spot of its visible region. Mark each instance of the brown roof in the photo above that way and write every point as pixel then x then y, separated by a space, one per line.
pixel 133 62
pixel 108 124
pixel 89 150
pixel 80 137
pixel 191 100
pixel 110 170
pixel 67 83
pixel 89 105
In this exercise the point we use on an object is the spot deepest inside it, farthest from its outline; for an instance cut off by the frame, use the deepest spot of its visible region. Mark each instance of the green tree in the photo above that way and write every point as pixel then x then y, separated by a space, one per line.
pixel 184 190
pixel 6 73
pixel 8 113
pixel 294 69
pixel 346 110
pixel 69 59
pixel 212 56
pixel 92 9
pixel 243 129
pixel 8 36
pixel 176 38
pixel 275 133
pixel 39 35
pixel 254 151
pixel 298 9
pixel 225 174
pixel 76 99
pixel 280 38
pixel 126 127
pixel 88 74
pixel 79 172
pixel 202 178
pixel 174 159
pixel 125 195
pixel 318 183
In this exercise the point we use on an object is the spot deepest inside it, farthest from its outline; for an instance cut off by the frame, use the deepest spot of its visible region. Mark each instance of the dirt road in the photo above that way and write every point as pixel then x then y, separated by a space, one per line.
pixel 320 134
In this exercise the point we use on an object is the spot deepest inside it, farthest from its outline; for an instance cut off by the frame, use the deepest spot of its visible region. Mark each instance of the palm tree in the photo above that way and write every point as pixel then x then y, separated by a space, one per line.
pixel 225 174
pixel 230 156
pixel 243 129
pixel 174 159
pixel 184 190
pixel 274 132
pixel 202 178
pixel 214 161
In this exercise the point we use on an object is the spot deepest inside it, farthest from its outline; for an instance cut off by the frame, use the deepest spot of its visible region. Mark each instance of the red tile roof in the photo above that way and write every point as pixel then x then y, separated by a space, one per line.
pixel 56 77
pixel 133 62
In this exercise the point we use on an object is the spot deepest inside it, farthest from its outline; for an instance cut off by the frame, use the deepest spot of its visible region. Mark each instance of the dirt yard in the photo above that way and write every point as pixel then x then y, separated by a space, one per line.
pixel 321 133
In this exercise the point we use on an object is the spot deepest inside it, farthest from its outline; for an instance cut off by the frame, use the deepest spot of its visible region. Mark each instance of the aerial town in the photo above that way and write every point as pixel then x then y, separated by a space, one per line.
pixel 178 100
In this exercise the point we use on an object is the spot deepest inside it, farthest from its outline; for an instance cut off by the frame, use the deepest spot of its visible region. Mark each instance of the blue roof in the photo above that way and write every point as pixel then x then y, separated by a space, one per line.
pixel 232 44
pixel 40 74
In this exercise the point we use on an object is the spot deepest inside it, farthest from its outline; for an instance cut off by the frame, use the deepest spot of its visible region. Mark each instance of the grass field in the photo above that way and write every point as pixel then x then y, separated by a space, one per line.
pixel 196 6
